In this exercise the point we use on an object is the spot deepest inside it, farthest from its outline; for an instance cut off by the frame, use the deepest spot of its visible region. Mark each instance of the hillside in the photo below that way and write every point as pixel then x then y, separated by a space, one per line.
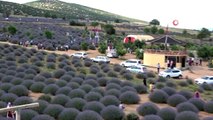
pixel 75 11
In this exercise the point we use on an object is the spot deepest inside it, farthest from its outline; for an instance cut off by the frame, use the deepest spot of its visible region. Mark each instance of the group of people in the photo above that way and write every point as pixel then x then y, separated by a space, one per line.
pixel 193 61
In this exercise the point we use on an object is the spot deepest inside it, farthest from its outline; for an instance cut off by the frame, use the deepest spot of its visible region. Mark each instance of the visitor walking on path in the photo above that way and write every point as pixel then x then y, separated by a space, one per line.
pixel 151 87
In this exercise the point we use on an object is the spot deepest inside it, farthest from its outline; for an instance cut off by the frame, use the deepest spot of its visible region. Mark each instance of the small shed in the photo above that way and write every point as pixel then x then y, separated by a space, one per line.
pixel 132 38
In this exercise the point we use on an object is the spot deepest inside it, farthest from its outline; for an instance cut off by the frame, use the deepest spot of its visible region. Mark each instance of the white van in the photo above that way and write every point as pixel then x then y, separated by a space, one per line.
pixel 130 62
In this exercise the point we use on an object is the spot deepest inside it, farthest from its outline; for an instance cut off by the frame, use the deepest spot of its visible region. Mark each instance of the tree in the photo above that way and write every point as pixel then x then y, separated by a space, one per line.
pixel 154 29
pixel 146 30
pixel 12 30
pixel 121 51
pixel 154 22
pixel 204 33
pixel 139 44
pixel 48 34
pixel 109 29
pixel 205 51
pixel 161 31
pixel 184 32
pixel 94 24
pixel 102 48
pixel 84 46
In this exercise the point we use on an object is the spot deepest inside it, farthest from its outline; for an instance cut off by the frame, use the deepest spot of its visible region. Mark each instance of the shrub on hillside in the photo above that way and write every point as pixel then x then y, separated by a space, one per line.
pixel 152 117
pixel 207 87
pixel 100 74
pixel 39 78
pixel 43 117
pixel 158 96
pixel 199 103
pixel 117 68
pixel 129 97
pixel 6 86
pixel 190 81
pixel 94 106
pixel 64 90
pixel 167 113
pixel 37 87
pixel 170 91
pixel 9 97
pixel 128 76
pixel 208 118
pixel 19 90
pixel 92 96
pixel 94 70
pixel 186 94
pixel 141 89
pixel 187 115
pixel 28 114
pixel 132 116
pixel 58 73
pixel 49 81
pixel 176 99
pixel 186 106
pixel 73 85
pixel 46 74
pixel 159 85
pixel 90 77
pixel 113 86
pixel 3 104
pixel 147 108
pixel 171 84
pixel 88 115
pixel 162 79
pixel 88 63
pixel 127 83
pixel 66 78
pixel 91 82
pixel 112 113
pixel 114 80
pixel 77 103
pixel 112 74
pixel 150 74
pixel 42 105
pixel 113 92
pixel 183 83
pixel 61 83
pixel 106 69
pixel 7 78
pixel 77 80
pixel 17 81
pixel 50 89
pixel 99 90
pixel 68 114
pixel 77 93
pixel 53 110
pixel 86 87
pixel 60 99
pixel 110 100
pixel 128 88
pixel 23 100
pixel 208 107
pixel 102 81
pixel 45 97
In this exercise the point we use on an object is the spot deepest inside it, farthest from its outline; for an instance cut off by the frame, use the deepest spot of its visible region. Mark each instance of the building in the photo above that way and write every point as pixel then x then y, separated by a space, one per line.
pixel 153 57
pixel 132 38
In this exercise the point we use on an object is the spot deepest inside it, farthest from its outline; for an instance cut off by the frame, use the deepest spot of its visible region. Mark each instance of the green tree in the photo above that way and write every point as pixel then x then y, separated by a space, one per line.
pixel 84 46
pixel 205 51
pixel 12 30
pixel 139 53
pixel 154 29
pixel 102 48
pixel 121 51
pixel 94 24
pixel 204 33
pixel 184 32
pixel 139 44
pixel 146 30
pixel 109 29
pixel 161 31
pixel 48 34
pixel 54 16
pixel 154 22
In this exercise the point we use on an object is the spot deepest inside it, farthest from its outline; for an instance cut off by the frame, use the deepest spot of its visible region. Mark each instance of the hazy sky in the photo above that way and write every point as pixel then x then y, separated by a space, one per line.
pixel 192 14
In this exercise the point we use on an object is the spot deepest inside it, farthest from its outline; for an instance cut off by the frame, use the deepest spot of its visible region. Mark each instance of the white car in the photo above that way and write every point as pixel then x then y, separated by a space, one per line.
pixel 137 69
pixel 174 73
pixel 80 55
pixel 204 79
pixel 100 58
pixel 130 62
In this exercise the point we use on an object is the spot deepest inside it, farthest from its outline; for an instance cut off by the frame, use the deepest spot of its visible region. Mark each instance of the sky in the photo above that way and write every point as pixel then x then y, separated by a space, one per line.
pixel 191 14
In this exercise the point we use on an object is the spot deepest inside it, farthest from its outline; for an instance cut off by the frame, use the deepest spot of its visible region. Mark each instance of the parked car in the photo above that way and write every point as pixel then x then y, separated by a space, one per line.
pixel 112 55
pixel 130 62
pixel 137 69
pixel 204 79
pixel 174 73
pixel 80 55
pixel 101 59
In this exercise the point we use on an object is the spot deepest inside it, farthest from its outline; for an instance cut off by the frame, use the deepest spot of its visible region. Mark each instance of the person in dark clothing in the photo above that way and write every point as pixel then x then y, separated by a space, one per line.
pixel 144 81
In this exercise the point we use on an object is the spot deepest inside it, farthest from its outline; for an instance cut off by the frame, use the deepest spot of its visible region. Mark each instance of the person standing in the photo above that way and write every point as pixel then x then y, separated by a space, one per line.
pixel 10 114
pixel 144 80
pixel 158 68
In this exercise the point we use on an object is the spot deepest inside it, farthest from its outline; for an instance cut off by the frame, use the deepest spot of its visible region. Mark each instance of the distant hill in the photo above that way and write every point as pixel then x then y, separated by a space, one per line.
pixel 76 11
